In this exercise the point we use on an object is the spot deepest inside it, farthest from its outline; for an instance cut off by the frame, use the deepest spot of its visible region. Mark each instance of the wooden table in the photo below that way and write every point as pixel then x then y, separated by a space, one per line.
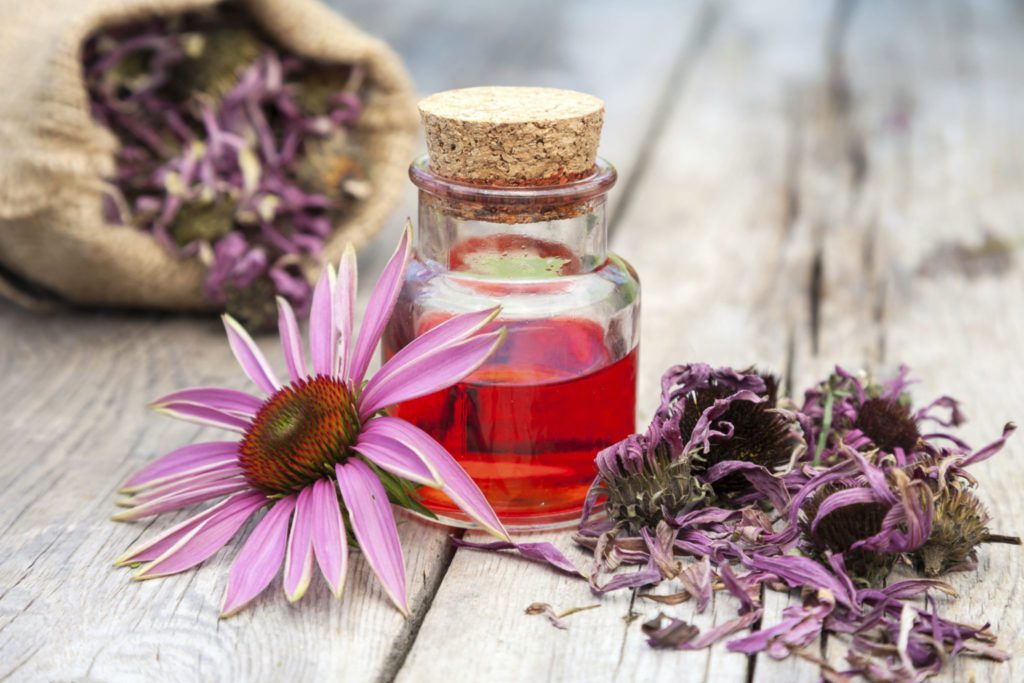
pixel 802 183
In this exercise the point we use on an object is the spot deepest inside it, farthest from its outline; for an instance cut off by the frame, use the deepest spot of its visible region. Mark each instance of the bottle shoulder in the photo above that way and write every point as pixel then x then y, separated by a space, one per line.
pixel 612 285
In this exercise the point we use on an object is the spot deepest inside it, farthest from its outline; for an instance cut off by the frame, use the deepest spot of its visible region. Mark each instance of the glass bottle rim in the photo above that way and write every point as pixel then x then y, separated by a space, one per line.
pixel 597 183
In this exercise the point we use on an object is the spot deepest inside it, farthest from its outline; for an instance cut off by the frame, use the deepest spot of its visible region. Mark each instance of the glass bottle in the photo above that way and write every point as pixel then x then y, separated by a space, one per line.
pixel 526 425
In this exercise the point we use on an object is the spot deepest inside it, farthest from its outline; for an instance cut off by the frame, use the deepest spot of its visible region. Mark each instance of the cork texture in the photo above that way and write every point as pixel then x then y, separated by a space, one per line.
pixel 507 135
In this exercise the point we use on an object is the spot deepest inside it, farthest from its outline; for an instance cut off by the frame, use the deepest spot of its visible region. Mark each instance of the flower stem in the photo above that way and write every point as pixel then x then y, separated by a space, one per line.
pixel 826 426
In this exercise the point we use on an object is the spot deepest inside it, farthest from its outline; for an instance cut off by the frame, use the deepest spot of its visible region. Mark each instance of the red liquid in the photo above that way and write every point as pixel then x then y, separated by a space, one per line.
pixel 527 425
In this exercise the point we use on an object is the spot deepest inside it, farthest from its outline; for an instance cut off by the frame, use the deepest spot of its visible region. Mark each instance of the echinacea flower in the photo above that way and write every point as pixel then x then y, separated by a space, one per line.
pixel 314 452
pixel 960 525
pixel 717 433
pixel 838 529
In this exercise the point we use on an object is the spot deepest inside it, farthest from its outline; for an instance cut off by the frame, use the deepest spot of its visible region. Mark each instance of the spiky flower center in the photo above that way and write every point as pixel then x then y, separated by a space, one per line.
pixel 840 529
pixel 299 435
pixel 888 424
pixel 664 486
pixel 761 435
pixel 960 523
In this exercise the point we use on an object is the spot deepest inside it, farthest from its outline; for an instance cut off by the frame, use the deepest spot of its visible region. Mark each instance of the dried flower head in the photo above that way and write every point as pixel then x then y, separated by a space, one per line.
pixel 203 222
pixel 661 487
pixel 328 163
pixel 960 525
pixel 838 530
pixel 759 433
pixel 889 424
pixel 253 302
pixel 214 59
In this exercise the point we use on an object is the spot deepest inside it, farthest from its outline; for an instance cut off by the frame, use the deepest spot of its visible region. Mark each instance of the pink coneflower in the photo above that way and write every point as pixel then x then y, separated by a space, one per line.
pixel 308 441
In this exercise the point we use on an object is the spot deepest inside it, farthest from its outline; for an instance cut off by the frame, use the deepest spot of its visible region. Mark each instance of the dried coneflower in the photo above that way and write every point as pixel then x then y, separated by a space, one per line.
pixel 889 424
pixel 645 481
pixel 838 530
pixel 745 427
pixel 959 526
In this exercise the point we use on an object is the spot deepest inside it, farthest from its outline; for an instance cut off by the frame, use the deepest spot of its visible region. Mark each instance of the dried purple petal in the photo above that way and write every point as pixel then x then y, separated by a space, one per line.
pixel 874 489
pixel 671 635
pixel 556 618
pixel 542 552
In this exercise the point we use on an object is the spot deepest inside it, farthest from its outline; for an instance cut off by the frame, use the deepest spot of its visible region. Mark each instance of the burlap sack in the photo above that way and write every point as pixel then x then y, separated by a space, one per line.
pixel 55 246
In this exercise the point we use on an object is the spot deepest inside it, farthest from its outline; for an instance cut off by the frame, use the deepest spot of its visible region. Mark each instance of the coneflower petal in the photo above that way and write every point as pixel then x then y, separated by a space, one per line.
pixel 178 500
pixel 323 333
pixel 291 340
pixel 198 542
pixel 458 485
pixel 374 526
pixel 183 482
pixel 183 458
pixel 429 373
pixel 249 356
pixel 330 542
pixel 378 310
pixel 449 332
pixel 344 307
pixel 841 499
pixel 397 458
pixel 260 558
pixel 158 545
pixel 203 415
pixel 224 467
pixel 238 403
pixel 298 559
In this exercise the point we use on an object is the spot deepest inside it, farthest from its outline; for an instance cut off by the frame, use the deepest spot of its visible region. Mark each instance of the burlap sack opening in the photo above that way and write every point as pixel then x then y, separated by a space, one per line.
pixel 55 246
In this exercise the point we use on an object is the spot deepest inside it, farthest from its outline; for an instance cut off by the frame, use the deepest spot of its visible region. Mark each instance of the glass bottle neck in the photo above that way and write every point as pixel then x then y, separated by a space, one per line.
pixel 522 232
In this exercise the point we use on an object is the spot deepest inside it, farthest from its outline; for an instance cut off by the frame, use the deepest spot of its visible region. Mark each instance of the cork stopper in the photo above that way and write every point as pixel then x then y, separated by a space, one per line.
pixel 510 136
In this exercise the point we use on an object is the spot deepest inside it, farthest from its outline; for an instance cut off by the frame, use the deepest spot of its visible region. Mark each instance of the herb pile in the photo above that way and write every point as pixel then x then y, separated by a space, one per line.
pixel 732 488
pixel 231 150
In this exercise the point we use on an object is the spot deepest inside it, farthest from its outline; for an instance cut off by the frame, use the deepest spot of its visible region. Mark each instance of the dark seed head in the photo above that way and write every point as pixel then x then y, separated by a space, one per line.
pixel 841 528
pixel 299 435
pixel 888 424
pixel 318 83
pixel 760 435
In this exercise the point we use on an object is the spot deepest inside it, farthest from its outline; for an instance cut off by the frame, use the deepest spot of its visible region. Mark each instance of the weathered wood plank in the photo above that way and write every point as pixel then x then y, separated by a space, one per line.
pixel 910 153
